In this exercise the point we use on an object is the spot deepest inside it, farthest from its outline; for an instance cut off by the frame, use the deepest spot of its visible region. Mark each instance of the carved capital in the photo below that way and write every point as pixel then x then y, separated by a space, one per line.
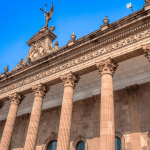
pixel 15 98
pixel 132 89
pixel 39 90
pixel 107 66
pixel 69 79
pixel 146 49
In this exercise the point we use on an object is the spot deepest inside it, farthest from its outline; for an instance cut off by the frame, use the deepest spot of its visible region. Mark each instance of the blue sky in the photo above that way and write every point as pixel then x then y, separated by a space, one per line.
pixel 21 19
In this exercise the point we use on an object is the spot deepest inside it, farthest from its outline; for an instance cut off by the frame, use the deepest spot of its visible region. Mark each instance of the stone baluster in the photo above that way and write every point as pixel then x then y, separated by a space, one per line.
pixel 32 133
pixel 15 100
pixel 69 81
pixel 107 127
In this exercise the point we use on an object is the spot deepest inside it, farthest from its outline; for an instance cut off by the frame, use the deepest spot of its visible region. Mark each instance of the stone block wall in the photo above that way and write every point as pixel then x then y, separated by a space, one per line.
pixel 132 122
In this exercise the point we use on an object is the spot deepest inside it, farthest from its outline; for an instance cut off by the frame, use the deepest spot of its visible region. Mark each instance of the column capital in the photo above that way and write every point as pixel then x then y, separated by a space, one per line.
pixel 15 98
pixel 69 79
pixel 39 90
pixel 107 66
pixel 146 49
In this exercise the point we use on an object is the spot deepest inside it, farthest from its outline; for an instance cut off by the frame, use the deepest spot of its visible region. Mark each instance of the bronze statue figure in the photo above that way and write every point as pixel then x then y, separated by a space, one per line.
pixel 48 14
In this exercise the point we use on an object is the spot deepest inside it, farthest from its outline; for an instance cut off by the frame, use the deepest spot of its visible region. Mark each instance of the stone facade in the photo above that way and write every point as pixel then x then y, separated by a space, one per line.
pixel 131 121
pixel 94 89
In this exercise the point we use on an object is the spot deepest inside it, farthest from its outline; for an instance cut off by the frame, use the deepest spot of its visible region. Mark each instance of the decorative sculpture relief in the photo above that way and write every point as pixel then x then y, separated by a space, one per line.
pixel 107 66
pixel 69 79
pixel 81 59
pixel 39 90
pixel 4 74
pixel 132 89
pixel 1 104
pixel 15 98
pixel 146 49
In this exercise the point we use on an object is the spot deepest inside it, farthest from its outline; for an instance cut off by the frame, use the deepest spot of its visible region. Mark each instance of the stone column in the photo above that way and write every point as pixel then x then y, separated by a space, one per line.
pixel 107 126
pixel 32 133
pixel 15 100
pixel 69 81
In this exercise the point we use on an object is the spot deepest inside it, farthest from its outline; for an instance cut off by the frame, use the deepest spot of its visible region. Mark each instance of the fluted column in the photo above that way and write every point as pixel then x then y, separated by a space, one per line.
pixel 69 81
pixel 107 127
pixel 15 100
pixel 31 138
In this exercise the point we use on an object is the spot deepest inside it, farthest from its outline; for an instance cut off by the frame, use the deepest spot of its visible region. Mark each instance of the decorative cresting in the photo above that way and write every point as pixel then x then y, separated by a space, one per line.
pixel 49 140
pixel 39 90
pixel 107 66
pixel 15 100
pixel 31 138
pixel 107 125
pixel 146 49
pixel 77 140
pixel 132 89
pixel 69 79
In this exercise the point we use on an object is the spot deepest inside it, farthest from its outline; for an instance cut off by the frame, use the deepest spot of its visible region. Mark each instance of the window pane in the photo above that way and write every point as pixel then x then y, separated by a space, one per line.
pixel 81 146
pixel 52 146
pixel 117 144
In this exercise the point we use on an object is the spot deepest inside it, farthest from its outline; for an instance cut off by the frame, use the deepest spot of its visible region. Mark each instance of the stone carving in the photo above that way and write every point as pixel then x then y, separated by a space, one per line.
pixel 48 14
pixel 1 104
pixel 107 66
pixel 25 116
pixel 146 49
pixel 132 89
pixel 81 59
pixel 69 79
pixel 15 98
pixel 4 74
pixel 20 65
pixel 39 90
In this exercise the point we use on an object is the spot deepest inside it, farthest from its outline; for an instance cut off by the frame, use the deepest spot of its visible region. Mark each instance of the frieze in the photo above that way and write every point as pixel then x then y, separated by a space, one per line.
pixel 83 58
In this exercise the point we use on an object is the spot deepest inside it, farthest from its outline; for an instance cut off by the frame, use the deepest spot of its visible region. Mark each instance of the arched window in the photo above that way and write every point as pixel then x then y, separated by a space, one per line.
pixel 118 144
pixel 52 146
pixel 81 145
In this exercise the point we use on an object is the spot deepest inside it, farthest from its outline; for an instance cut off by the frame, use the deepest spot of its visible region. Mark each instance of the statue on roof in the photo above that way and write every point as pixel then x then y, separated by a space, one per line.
pixel 48 14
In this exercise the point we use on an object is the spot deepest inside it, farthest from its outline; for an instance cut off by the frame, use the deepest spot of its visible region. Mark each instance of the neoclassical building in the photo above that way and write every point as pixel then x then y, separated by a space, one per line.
pixel 91 94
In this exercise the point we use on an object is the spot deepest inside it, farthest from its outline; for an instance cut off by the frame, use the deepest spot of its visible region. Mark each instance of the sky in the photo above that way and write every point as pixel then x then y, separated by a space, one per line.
pixel 21 19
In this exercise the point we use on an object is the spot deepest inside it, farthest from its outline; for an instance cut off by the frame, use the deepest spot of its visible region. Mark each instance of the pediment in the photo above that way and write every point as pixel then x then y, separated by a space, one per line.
pixel 40 46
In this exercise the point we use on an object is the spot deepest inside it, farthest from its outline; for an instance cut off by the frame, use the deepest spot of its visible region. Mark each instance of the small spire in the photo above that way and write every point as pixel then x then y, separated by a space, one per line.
pixel 73 37
pixel 106 24
pixel 106 21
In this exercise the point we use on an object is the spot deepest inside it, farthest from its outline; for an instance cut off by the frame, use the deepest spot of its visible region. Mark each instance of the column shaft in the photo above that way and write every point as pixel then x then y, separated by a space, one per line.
pixel 10 122
pixel 107 128
pixel 32 133
pixel 65 120
pixel 31 138
pixel 69 81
